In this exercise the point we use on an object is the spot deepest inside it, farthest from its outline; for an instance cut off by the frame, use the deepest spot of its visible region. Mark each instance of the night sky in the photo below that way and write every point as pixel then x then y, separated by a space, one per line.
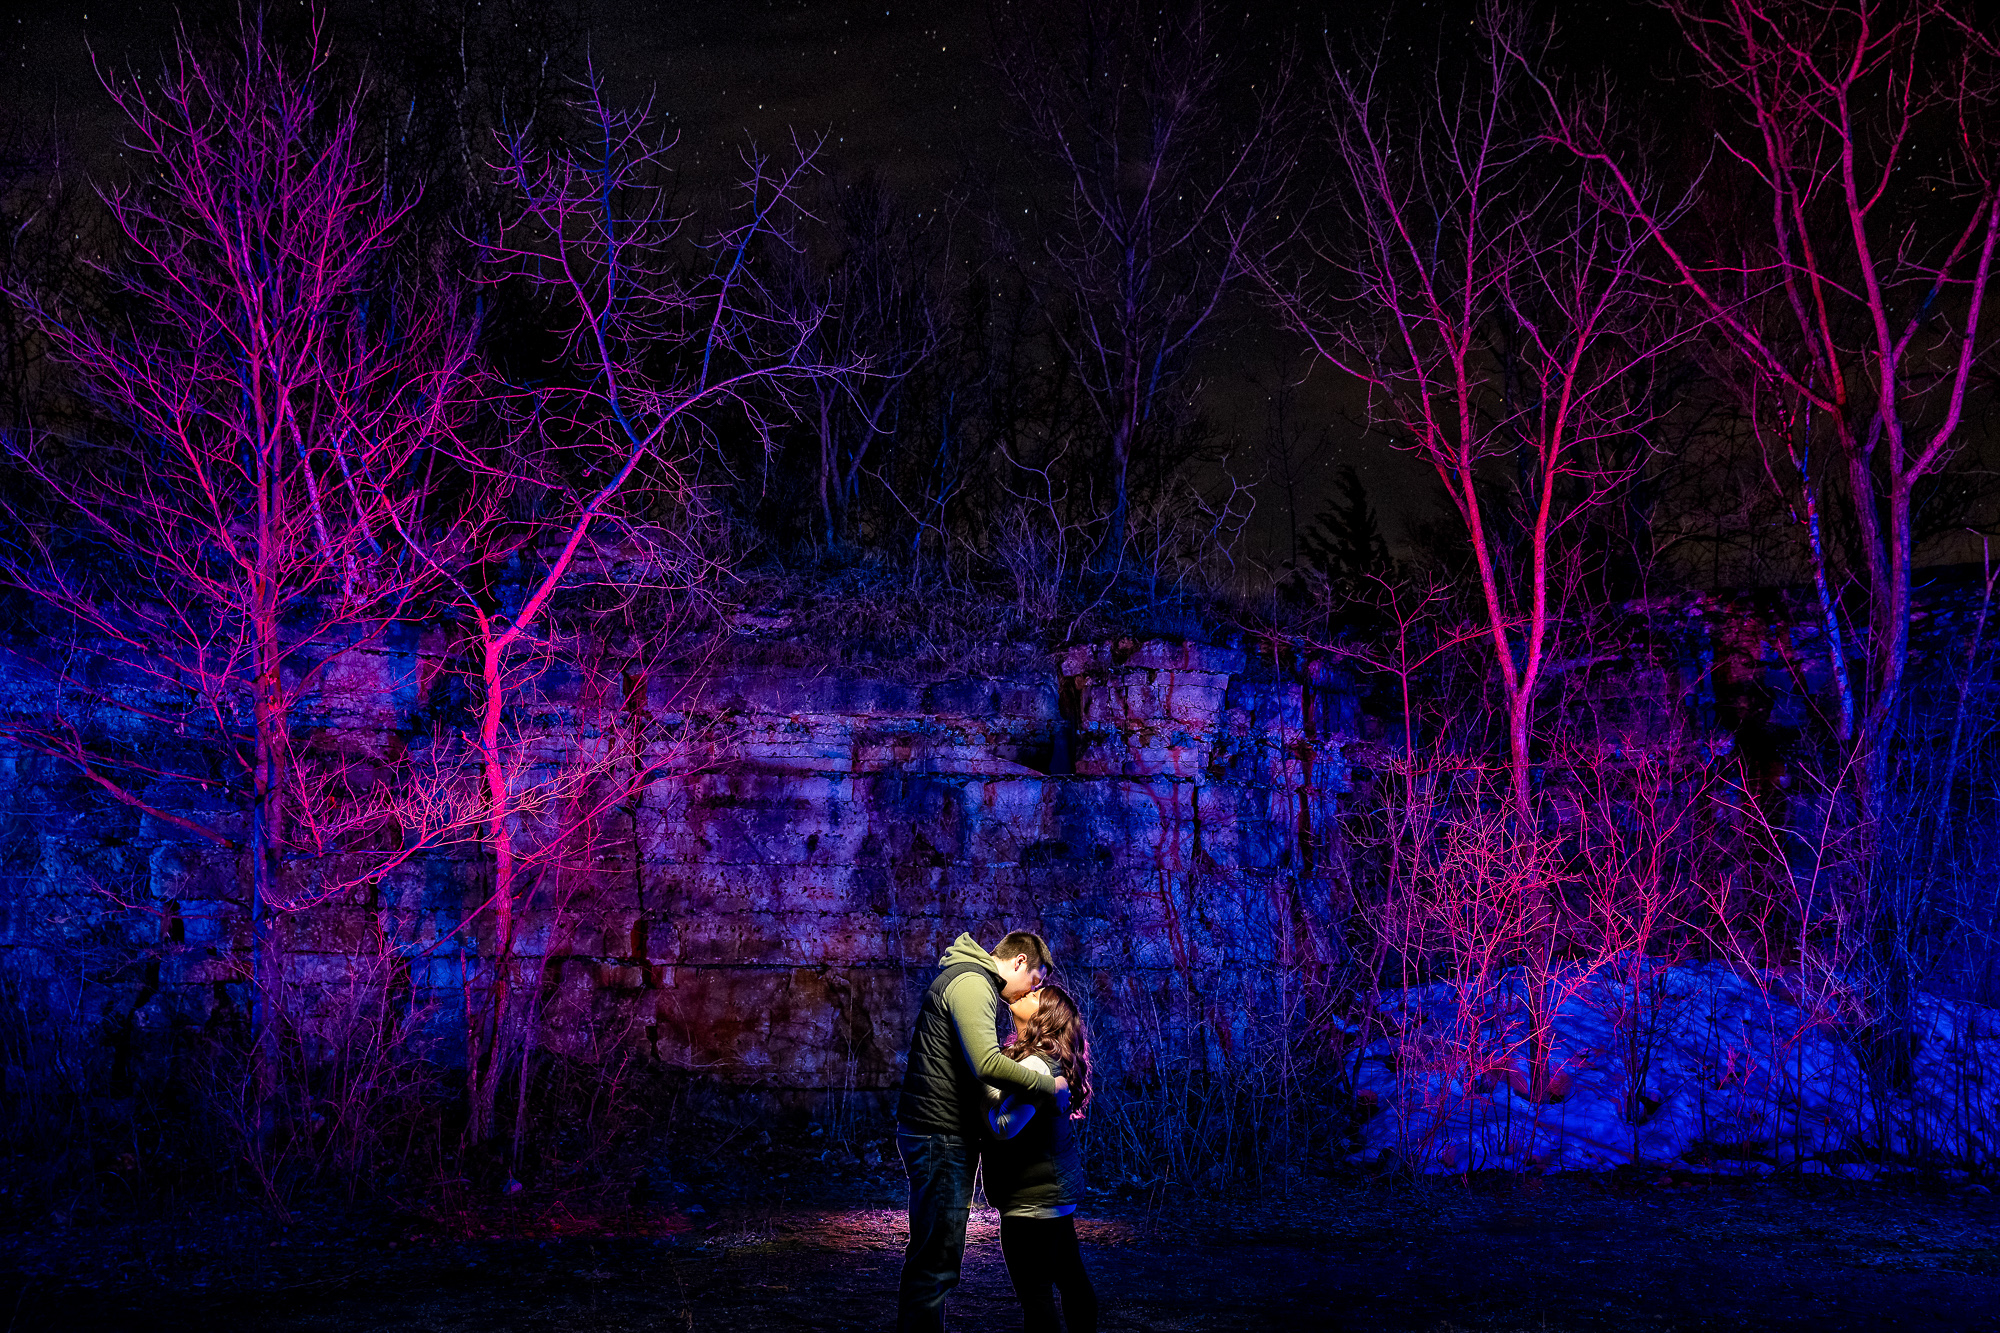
pixel 904 92
pixel 1619 835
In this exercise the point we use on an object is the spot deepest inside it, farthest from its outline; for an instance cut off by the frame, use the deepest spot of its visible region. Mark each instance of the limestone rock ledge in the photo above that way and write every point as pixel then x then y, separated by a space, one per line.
pixel 768 911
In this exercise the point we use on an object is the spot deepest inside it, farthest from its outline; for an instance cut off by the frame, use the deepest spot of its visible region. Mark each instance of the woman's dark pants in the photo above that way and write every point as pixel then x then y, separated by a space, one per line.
pixel 940 1168
pixel 1042 1259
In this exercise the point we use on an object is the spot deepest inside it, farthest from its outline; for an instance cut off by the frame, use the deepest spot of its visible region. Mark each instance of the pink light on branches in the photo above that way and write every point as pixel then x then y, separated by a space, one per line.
pixel 1498 319
pixel 668 338
pixel 1854 290
pixel 228 535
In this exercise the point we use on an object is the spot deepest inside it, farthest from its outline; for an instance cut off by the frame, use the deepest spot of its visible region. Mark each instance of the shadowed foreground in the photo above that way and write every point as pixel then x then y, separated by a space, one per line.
pixel 1568 1253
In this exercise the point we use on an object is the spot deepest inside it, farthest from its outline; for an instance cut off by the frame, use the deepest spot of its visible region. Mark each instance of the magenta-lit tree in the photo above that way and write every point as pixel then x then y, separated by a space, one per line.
pixel 1847 261
pixel 1501 322
pixel 669 337
pixel 1862 173
pixel 223 541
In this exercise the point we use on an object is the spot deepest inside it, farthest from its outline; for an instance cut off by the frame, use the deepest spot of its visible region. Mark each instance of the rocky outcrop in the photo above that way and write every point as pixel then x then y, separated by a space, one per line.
pixel 768 912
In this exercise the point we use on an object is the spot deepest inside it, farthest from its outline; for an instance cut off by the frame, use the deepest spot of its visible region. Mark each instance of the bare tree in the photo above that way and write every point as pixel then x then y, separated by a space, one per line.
pixel 224 540
pixel 669 337
pixel 1160 192
pixel 1853 293
pixel 1854 290
pixel 868 267
pixel 49 225
pixel 1496 316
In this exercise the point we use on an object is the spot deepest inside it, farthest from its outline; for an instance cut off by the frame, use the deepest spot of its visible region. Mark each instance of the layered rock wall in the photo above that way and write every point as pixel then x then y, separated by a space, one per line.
pixel 770 914
pixel 1162 812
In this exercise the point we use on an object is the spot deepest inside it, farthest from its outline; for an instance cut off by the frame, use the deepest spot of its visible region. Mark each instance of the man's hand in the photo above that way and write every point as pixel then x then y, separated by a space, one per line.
pixel 1062 1094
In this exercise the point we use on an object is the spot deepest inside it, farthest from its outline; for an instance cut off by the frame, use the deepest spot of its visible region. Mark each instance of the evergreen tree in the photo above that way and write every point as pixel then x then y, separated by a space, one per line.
pixel 1345 543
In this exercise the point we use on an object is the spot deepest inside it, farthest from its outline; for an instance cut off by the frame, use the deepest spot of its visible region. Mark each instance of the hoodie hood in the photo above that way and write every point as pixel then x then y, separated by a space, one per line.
pixel 965 950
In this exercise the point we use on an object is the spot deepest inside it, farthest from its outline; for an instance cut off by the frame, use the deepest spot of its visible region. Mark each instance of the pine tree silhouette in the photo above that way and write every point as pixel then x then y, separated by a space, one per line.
pixel 1345 543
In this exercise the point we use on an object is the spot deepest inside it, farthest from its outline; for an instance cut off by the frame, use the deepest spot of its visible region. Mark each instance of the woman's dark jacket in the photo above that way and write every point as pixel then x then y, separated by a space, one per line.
pixel 1040 1167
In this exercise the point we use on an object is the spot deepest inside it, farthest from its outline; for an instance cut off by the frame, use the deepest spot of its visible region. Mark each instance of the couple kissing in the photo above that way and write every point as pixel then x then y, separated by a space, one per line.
pixel 971 1098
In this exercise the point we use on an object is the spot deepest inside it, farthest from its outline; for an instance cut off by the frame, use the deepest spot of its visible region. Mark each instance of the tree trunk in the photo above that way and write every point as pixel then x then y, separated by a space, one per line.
pixel 266 813
pixel 1111 556
pixel 829 467
pixel 484 1066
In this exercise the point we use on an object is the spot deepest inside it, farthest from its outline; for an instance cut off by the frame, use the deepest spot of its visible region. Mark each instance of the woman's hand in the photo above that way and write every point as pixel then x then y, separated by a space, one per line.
pixel 1062 1094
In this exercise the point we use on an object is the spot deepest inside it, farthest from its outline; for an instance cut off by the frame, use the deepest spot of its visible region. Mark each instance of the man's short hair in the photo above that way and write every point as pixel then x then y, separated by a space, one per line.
pixel 1025 942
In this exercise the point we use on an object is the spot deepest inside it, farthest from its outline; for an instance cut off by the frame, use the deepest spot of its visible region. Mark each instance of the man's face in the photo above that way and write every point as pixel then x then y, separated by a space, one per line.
pixel 1021 976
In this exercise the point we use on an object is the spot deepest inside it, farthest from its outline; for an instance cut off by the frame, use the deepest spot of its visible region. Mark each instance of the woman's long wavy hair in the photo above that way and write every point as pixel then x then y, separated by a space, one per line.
pixel 1057 1029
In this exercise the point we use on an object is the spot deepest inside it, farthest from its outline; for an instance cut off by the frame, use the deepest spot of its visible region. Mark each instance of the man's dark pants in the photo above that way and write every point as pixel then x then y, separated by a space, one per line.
pixel 940 1167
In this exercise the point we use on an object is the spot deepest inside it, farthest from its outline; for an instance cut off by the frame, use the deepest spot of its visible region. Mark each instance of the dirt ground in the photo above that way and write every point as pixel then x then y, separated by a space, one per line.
pixel 779 1253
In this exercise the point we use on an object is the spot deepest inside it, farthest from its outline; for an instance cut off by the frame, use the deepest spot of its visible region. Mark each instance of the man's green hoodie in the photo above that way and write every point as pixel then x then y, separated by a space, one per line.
pixel 955 1052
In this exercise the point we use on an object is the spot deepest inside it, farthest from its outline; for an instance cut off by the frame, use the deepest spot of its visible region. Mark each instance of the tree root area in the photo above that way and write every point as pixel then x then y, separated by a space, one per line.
pixel 1562 1253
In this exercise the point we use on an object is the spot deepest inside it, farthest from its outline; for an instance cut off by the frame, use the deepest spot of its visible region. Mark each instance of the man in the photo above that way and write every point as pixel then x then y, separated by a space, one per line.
pixel 941 1115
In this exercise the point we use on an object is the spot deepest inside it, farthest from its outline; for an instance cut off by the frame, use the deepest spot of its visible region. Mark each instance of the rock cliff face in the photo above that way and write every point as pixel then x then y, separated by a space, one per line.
pixel 786 906
pixel 1158 811
pixel 767 913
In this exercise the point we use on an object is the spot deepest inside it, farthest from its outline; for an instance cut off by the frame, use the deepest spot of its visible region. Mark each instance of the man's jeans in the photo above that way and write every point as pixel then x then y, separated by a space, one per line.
pixel 940 1167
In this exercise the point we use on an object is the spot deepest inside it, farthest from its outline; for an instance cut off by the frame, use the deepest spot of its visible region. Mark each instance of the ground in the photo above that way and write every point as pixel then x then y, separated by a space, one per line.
pixel 775 1252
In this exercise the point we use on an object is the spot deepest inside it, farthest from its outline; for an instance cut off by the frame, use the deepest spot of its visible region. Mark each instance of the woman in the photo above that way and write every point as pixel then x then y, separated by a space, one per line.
pixel 1034 1174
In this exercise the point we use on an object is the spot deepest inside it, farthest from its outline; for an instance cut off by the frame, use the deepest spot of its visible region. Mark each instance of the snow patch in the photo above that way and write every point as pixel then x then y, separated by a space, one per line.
pixel 1698 1065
